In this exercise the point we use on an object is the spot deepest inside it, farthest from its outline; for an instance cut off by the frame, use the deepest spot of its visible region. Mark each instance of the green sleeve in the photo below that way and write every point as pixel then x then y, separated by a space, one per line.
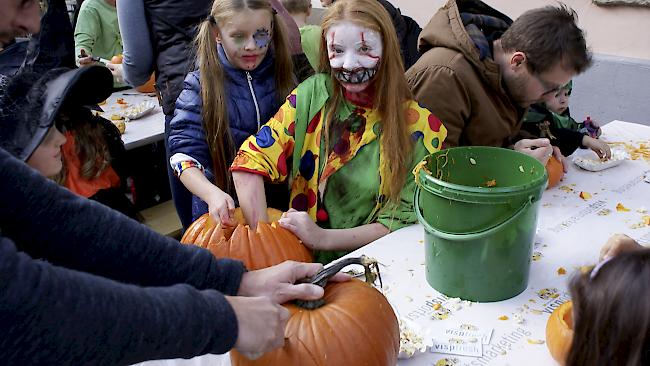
pixel 86 31
pixel 397 216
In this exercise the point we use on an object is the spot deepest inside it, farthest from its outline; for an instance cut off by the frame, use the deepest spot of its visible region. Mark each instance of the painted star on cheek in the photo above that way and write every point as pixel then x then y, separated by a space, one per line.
pixel 262 38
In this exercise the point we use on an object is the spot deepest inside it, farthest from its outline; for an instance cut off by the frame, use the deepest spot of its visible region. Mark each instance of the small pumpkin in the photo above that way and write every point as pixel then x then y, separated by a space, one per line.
pixel 149 86
pixel 559 332
pixel 555 171
pixel 354 325
pixel 267 246
pixel 117 59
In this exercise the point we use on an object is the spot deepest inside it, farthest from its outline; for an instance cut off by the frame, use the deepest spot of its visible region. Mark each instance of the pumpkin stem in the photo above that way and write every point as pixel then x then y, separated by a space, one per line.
pixel 371 269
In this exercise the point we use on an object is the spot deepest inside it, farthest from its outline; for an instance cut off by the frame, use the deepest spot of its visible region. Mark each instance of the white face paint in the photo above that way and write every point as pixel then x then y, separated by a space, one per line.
pixel 355 53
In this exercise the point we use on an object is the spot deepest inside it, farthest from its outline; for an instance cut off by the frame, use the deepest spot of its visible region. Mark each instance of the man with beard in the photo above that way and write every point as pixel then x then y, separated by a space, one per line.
pixel 479 71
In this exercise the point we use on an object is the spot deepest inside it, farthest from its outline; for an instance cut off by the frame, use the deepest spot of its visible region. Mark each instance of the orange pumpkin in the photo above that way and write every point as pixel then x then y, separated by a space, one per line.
pixel 149 86
pixel 355 326
pixel 555 171
pixel 559 332
pixel 117 59
pixel 267 246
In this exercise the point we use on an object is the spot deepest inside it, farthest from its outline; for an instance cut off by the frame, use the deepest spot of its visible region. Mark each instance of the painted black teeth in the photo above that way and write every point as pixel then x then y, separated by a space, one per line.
pixel 359 76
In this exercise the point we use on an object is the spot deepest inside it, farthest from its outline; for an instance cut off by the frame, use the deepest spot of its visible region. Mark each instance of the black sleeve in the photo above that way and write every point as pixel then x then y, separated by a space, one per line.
pixel 567 140
pixel 49 222
pixel 55 316
pixel 302 68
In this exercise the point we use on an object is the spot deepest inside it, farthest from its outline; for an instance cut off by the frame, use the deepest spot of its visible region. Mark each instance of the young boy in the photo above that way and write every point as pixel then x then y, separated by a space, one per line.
pixel 552 120
pixel 300 10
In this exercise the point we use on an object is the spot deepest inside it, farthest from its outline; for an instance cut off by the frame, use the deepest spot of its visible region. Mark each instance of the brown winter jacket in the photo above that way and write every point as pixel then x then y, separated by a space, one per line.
pixel 466 93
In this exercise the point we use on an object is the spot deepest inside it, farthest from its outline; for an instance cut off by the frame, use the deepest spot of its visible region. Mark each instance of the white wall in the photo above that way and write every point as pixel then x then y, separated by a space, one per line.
pixel 618 31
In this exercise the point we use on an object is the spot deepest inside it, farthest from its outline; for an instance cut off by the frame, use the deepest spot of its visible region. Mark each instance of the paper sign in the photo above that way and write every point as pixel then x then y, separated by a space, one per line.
pixel 457 347
pixel 483 335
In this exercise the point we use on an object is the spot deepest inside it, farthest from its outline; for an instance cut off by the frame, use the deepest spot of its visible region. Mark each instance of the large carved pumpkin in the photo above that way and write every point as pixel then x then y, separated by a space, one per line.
pixel 555 171
pixel 355 326
pixel 559 332
pixel 267 246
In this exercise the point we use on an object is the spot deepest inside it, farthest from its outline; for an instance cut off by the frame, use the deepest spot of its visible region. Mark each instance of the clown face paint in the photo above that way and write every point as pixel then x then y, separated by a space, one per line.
pixel 246 37
pixel 355 54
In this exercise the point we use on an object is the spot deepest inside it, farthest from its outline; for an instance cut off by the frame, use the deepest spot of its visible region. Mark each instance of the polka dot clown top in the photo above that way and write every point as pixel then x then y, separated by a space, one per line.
pixel 349 187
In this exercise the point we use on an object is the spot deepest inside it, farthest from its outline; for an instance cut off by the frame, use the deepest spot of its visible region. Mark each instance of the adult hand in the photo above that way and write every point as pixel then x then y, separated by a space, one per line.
pixel 618 243
pixel 600 147
pixel 221 207
pixel 85 59
pixel 116 70
pixel 277 282
pixel 557 154
pixel 539 149
pixel 299 223
pixel 261 323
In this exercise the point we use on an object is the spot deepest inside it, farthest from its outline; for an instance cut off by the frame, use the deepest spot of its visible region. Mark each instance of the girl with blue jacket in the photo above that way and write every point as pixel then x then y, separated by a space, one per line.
pixel 238 86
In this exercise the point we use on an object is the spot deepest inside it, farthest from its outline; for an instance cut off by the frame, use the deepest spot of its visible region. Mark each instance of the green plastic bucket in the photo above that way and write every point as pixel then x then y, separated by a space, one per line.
pixel 478 206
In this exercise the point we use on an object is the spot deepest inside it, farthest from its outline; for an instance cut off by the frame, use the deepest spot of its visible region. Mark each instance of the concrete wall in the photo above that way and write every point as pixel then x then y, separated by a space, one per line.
pixel 618 85
pixel 614 88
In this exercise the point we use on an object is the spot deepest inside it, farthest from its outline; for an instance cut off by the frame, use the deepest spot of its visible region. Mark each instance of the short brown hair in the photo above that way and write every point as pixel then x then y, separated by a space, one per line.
pixel 547 36
pixel 297 6
pixel 611 310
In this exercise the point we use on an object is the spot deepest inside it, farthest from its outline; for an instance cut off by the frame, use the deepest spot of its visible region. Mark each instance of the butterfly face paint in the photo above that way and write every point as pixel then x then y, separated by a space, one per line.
pixel 355 54
pixel 246 38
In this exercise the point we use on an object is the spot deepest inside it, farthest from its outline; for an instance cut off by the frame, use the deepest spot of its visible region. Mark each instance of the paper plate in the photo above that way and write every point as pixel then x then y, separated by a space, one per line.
pixel 138 110
pixel 588 160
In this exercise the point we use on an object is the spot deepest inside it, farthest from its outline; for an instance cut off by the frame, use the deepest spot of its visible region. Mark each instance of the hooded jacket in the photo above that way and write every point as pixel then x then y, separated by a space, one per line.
pixel 251 99
pixel 457 79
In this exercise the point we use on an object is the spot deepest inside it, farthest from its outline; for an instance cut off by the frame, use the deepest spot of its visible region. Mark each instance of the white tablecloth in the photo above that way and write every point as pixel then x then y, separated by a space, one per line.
pixel 144 130
pixel 570 233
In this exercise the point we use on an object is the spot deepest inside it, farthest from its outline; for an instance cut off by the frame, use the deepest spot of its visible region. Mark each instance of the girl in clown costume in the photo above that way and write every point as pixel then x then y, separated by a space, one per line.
pixel 346 139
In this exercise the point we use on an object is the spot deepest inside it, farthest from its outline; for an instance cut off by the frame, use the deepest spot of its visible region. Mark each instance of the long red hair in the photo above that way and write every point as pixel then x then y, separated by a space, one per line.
pixel 391 88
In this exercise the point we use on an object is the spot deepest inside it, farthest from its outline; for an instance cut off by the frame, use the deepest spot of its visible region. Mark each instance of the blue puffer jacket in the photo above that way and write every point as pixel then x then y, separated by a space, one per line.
pixel 248 94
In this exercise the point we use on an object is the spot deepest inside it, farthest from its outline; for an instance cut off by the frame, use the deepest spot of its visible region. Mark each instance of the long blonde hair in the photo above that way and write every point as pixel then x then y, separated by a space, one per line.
pixel 391 89
pixel 213 94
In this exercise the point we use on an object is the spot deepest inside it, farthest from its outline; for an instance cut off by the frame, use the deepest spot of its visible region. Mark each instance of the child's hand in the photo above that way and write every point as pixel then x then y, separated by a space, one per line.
pixel 618 243
pixel 85 59
pixel 598 146
pixel 592 128
pixel 299 223
pixel 221 207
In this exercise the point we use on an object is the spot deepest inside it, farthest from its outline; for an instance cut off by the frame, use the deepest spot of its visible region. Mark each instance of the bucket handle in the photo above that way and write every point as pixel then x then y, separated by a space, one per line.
pixel 468 236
